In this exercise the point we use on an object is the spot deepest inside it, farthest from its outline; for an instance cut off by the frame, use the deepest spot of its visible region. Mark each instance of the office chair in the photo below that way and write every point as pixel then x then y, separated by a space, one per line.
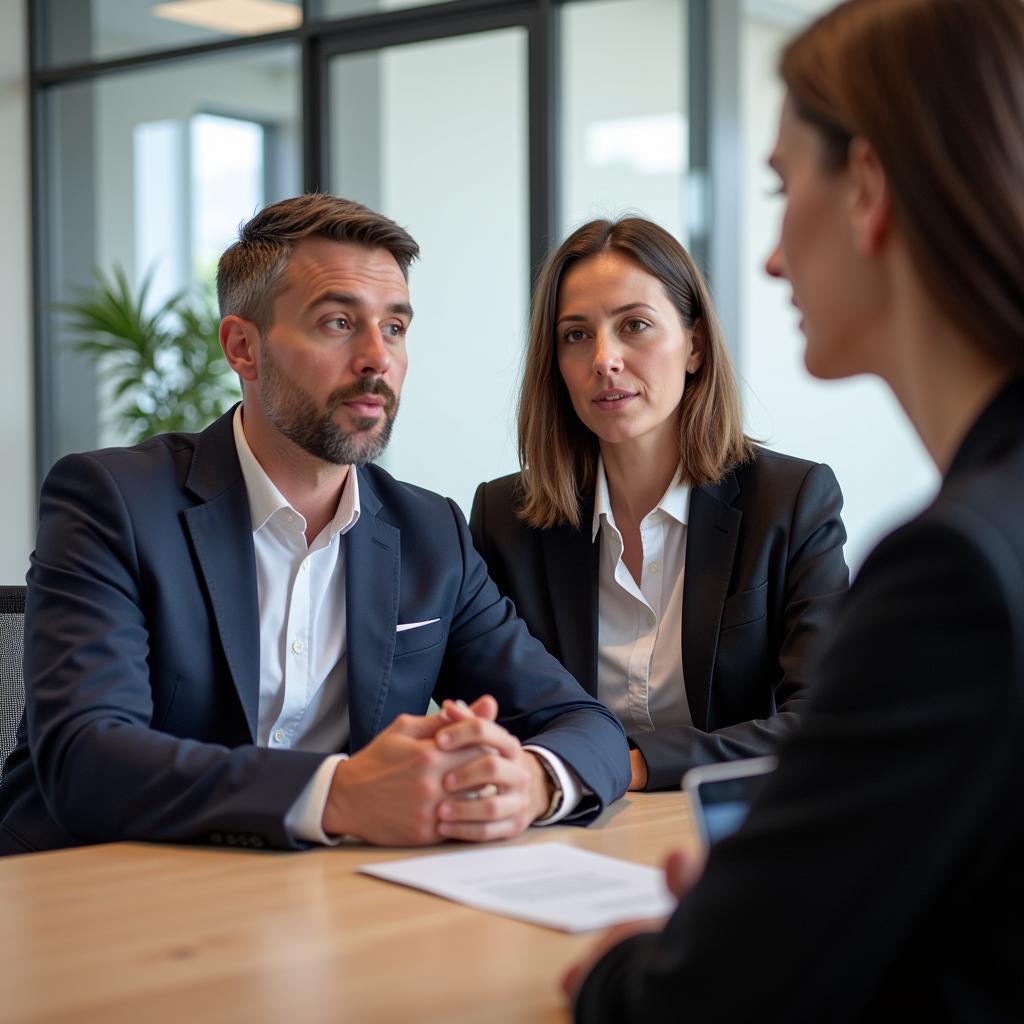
pixel 12 679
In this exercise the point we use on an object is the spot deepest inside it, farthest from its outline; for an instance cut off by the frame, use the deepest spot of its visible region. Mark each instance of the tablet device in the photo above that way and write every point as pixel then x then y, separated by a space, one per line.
pixel 720 794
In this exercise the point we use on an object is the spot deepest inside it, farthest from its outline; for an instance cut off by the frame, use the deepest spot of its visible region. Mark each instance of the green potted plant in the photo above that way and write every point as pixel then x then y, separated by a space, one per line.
pixel 164 369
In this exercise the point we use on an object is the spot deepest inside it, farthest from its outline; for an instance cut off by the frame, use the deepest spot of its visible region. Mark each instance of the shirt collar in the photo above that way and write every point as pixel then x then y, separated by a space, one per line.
pixel 265 499
pixel 675 502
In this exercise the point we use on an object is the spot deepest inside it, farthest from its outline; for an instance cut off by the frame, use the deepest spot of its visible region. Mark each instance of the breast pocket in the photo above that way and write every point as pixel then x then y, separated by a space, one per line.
pixel 745 607
pixel 422 638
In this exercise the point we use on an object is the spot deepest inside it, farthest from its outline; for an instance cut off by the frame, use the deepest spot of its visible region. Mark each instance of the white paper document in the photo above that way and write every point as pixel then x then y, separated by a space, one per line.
pixel 552 884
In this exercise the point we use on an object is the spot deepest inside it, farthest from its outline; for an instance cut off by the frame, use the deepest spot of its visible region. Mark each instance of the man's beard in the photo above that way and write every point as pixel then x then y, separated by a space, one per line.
pixel 294 413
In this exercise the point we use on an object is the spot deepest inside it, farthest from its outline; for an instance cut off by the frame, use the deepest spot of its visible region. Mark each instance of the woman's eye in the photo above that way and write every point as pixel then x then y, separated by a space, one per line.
pixel 636 326
pixel 574 335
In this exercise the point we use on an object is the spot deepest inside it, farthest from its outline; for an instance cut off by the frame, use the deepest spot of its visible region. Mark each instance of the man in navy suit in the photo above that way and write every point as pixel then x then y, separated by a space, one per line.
pixel 232 637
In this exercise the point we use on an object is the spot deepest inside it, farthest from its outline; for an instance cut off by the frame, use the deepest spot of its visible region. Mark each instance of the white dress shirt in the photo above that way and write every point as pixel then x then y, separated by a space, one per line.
pixel 639 628
pixel 303 699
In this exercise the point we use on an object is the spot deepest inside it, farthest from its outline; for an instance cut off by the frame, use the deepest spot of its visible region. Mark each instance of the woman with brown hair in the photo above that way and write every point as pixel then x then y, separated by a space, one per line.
pixel 682 573
pixel 878 874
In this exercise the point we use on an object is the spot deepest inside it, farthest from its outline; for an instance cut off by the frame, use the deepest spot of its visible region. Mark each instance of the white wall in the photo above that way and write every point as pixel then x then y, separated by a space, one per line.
pixel 463 197
pixel 855 426
pixel 624 139
pixel 447 160
pixel 17 451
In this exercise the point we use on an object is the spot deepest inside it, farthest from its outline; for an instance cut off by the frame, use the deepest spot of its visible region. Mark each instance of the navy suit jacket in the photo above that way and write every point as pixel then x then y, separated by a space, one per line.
pixel 878 876
pixel 765 575
pixel 142 651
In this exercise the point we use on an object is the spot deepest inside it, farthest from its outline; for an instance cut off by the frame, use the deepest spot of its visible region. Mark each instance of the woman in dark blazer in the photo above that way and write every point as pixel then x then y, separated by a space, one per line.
pixel 878 876
pixel 682 573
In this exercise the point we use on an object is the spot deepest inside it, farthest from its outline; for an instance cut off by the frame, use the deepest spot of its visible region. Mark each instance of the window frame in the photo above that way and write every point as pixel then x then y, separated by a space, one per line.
pixel 712 28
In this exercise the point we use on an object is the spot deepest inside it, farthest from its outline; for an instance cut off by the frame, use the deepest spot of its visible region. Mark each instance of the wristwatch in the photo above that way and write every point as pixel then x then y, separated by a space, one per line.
pixel 556 791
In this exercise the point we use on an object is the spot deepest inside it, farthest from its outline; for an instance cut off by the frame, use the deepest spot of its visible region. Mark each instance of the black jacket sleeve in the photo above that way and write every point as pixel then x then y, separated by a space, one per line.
pixel 877 875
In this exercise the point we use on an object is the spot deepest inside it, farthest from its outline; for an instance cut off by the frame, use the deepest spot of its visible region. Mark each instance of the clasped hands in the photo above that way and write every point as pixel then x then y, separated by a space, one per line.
pixel 454 775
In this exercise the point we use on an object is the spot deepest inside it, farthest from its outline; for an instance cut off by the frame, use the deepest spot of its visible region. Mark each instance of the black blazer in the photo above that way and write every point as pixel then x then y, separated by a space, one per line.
pixel 879 875
pixel 142 651
pixel 764 575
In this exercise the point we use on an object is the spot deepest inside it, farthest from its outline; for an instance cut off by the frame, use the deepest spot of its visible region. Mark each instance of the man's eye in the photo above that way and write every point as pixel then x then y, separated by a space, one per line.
pixel 341 322
pixel 395 330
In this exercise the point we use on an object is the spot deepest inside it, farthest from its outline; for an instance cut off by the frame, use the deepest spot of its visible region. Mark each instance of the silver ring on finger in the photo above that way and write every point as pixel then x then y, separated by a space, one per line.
pixel 490 789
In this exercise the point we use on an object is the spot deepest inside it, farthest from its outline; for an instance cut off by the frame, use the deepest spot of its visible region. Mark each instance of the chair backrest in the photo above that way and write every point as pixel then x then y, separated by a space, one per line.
pixel 12 678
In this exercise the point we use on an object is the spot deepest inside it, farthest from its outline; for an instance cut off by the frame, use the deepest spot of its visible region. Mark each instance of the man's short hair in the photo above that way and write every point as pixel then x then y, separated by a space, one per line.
pixel 250 274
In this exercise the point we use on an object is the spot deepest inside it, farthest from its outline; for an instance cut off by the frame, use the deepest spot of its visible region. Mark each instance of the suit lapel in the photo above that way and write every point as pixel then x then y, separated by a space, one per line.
pixel 712 532
pixel 372 581
pixel 221 534
pixel 570 561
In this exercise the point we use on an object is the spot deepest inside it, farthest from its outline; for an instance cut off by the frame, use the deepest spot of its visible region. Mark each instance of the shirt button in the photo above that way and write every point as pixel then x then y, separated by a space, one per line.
pixel 653 567
pixel 297 646
pixel 289 518
pixel 304 566
pixel 279 736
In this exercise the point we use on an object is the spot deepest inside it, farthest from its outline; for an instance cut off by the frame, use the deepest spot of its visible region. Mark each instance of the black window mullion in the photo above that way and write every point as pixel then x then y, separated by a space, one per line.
pixel 313 111
pixel 543 107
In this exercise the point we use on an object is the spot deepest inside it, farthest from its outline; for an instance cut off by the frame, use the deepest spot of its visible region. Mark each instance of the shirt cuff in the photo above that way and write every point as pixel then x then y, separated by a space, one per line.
pixel 304 820
pixel 567 781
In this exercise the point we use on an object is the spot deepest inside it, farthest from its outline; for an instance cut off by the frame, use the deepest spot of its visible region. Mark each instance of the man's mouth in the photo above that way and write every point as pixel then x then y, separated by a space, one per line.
pixel 366 400
pixel 367 406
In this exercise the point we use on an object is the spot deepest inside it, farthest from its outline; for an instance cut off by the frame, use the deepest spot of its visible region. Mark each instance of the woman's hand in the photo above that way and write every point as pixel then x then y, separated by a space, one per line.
pixel 682 870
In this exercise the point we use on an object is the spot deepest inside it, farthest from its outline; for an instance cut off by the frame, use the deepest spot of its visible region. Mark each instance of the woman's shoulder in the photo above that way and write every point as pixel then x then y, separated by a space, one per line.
pixel 494 520
pixel 771 472
pixel 768 462
pixel 502 489
pixel 983 509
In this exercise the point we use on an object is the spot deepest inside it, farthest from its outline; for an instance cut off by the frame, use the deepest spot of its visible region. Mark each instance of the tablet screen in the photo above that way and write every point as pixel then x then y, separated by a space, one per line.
pixel 721 794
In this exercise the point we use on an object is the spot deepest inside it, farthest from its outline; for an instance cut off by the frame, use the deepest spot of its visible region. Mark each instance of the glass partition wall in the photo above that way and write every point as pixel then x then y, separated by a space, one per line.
pixel 159 126
pixel 450 163
pixel 148 172
pixel 490 128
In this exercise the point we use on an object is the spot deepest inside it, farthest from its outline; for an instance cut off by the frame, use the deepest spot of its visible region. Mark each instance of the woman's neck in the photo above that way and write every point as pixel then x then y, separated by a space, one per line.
pixel 942 378
pixel 638 474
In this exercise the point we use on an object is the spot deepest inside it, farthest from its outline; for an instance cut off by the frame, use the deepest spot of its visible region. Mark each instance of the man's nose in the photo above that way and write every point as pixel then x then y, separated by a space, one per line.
pixel 373 358
pixel 773 265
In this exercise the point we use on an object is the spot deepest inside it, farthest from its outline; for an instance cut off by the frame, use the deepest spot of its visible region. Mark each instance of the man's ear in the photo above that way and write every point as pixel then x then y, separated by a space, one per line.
pixel 870 200
pixel 240 340
pixel 698 341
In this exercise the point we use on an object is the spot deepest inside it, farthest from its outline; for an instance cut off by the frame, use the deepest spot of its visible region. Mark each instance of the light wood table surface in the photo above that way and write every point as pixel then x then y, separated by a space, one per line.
pixel 131 931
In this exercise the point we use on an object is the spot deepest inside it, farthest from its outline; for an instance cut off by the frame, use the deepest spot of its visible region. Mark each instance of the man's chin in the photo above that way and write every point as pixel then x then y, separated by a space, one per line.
pixel 368 445
pixel 365 424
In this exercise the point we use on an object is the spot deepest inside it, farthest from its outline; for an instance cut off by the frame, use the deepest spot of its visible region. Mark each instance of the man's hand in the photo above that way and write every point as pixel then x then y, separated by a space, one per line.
pixel 682 870
pixel 501 790
pixel 389 792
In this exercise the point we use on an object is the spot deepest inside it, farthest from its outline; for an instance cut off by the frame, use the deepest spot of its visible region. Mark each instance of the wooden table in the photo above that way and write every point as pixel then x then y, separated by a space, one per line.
pixel 131 931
